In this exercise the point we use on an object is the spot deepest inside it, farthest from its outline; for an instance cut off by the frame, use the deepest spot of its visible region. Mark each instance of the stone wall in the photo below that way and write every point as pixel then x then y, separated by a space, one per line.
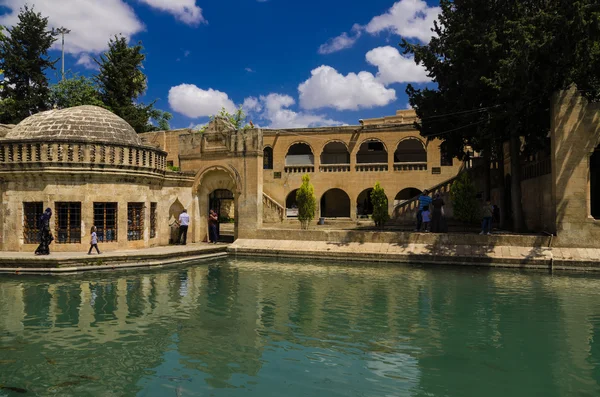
pixel 575 137
pixel 167 141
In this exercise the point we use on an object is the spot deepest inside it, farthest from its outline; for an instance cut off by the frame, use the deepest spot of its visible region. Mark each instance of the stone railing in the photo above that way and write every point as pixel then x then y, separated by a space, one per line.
pixel 372 167
pixel 334 168
pixel 299 169
pixel 72 154
pixel 270 203
pixel 409 208
pixel 420 166
pixel 536 169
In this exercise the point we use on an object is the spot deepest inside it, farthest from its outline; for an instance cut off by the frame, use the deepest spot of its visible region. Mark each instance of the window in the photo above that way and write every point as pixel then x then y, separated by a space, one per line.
pixel 135 221
pixel 445 158
pixel 105 220
pixel 152 220
pixel 32 212
pixel 68 223
pixel 170 163
pixel 268 158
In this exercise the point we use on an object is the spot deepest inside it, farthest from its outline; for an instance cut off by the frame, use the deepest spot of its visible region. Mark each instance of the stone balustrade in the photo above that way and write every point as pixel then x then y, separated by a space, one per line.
pixel 372 167
pixel 23 154
pixel 270 202
pixel 419 166
pixel 299 169
pixel 334 168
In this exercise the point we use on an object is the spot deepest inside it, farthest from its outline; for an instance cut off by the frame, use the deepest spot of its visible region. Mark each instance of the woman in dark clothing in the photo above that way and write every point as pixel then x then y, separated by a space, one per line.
pixel 437 222
pixel 45 235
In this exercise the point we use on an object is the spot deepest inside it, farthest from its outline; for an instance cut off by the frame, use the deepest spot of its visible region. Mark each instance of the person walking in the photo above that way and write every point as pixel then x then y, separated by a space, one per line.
pixel 488 213
pixel 93 241
pixel 424 201
pixel 184 222
pixel 45 235
pixel 213 219
pixel 437 221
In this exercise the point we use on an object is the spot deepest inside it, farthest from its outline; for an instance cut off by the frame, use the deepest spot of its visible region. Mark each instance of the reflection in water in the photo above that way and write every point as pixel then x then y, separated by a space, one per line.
pixel 249 327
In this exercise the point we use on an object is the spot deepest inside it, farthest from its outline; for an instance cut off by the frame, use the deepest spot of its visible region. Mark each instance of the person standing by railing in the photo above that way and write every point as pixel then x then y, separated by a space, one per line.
pixel 424 201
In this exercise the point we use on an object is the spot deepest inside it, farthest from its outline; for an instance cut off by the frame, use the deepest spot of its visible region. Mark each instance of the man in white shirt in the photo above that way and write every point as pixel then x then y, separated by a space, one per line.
pixel 184 221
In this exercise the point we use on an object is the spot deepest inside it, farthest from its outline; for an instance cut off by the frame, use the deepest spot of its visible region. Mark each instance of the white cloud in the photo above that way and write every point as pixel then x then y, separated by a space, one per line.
pixel 396 68
pixel 411 19
pixel 185 10
pixel 407 18
pixel 274 109
pixel 92 23
pixel 249 70
pixel 87 62
pixel 342 41
pixel 195 102
pixel 328 88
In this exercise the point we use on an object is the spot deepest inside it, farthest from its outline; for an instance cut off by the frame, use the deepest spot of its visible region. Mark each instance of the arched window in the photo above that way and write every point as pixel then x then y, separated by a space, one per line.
pixel 372 151
pixel 335 203
pixel 268 158
pixel 595 184
pixel 335 153
pixel 410 150
pixel 299 154
pixel 291 205
pixel 364 205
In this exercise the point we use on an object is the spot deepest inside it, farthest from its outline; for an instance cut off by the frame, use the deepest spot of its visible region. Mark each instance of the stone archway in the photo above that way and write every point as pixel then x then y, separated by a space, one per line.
pixel 209 181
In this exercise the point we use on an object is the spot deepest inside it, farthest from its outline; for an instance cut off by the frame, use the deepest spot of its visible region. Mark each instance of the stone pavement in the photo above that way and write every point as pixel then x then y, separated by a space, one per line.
pixel 68 262
pixel 578 259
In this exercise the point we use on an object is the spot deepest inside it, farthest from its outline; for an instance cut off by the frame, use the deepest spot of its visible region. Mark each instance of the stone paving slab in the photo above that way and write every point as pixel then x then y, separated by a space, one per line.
pixel 61 262
pixel 576 259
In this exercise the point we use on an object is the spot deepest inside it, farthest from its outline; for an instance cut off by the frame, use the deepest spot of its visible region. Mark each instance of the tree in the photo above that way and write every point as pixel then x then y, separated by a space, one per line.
pixel 24 60
pixel 307 203
pixel 121 82
pixel 464 199
pixel 75 91
pixel 497 65
pixel 237 119
pixel 380 206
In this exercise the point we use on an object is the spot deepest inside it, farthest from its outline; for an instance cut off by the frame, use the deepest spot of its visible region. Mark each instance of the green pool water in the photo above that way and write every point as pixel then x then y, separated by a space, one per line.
pixel 255 328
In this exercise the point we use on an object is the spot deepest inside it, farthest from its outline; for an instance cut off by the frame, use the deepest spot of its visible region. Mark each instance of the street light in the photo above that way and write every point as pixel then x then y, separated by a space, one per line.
pixel 62 31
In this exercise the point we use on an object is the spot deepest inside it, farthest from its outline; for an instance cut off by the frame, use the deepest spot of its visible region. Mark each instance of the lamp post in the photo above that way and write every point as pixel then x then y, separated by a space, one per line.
pixel 62 31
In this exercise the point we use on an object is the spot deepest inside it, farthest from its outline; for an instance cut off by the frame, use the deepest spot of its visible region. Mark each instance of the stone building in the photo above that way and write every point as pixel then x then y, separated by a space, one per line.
pixel 91 168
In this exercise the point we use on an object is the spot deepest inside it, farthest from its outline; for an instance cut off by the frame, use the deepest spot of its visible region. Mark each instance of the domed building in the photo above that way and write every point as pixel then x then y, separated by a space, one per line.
pixel 91 168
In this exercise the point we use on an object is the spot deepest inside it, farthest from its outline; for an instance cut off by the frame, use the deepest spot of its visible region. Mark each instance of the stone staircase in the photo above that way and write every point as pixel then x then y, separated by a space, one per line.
pixel 272 211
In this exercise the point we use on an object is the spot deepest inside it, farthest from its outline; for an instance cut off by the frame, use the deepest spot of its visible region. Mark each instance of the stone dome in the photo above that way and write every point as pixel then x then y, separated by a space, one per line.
pixel 80 123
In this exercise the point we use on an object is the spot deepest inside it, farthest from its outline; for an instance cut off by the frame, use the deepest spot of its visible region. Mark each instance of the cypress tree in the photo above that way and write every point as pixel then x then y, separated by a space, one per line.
pixel 380 206
pixel 24 60
pixel 307 203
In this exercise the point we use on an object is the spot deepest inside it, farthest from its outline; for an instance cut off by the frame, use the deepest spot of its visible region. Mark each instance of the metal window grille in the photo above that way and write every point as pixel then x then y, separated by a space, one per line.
pixel 105 220
pixel 68 222
pixel 32 212
pixel 135 221
pixel 153 220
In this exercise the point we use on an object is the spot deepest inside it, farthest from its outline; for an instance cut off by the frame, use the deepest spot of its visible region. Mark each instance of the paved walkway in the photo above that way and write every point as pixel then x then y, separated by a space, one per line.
pixel 481 255
pixel 65 262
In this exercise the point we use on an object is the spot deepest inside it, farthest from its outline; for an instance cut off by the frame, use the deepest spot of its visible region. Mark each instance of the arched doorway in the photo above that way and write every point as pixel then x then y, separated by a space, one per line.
pixel 299 158
pixel 364 205
pixel 217 190
pixel 405 195
pixel 410 150
pixel 595 184
pixel 372 151
pixel 335 153
pixel 291 206
pixel 335 203
pixel 222 201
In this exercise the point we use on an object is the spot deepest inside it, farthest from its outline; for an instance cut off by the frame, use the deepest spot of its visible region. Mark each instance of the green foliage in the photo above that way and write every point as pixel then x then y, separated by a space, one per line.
pixel 464 199
pixel 173 168
pixel 307 202
pixel 121 82
pixel 380 206
pixel 24 60
pixel 237 118
pixel 75 91
pixel 497 65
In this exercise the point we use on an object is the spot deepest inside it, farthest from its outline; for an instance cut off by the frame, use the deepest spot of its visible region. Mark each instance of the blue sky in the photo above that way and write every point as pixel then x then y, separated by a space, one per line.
pixel 290 63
